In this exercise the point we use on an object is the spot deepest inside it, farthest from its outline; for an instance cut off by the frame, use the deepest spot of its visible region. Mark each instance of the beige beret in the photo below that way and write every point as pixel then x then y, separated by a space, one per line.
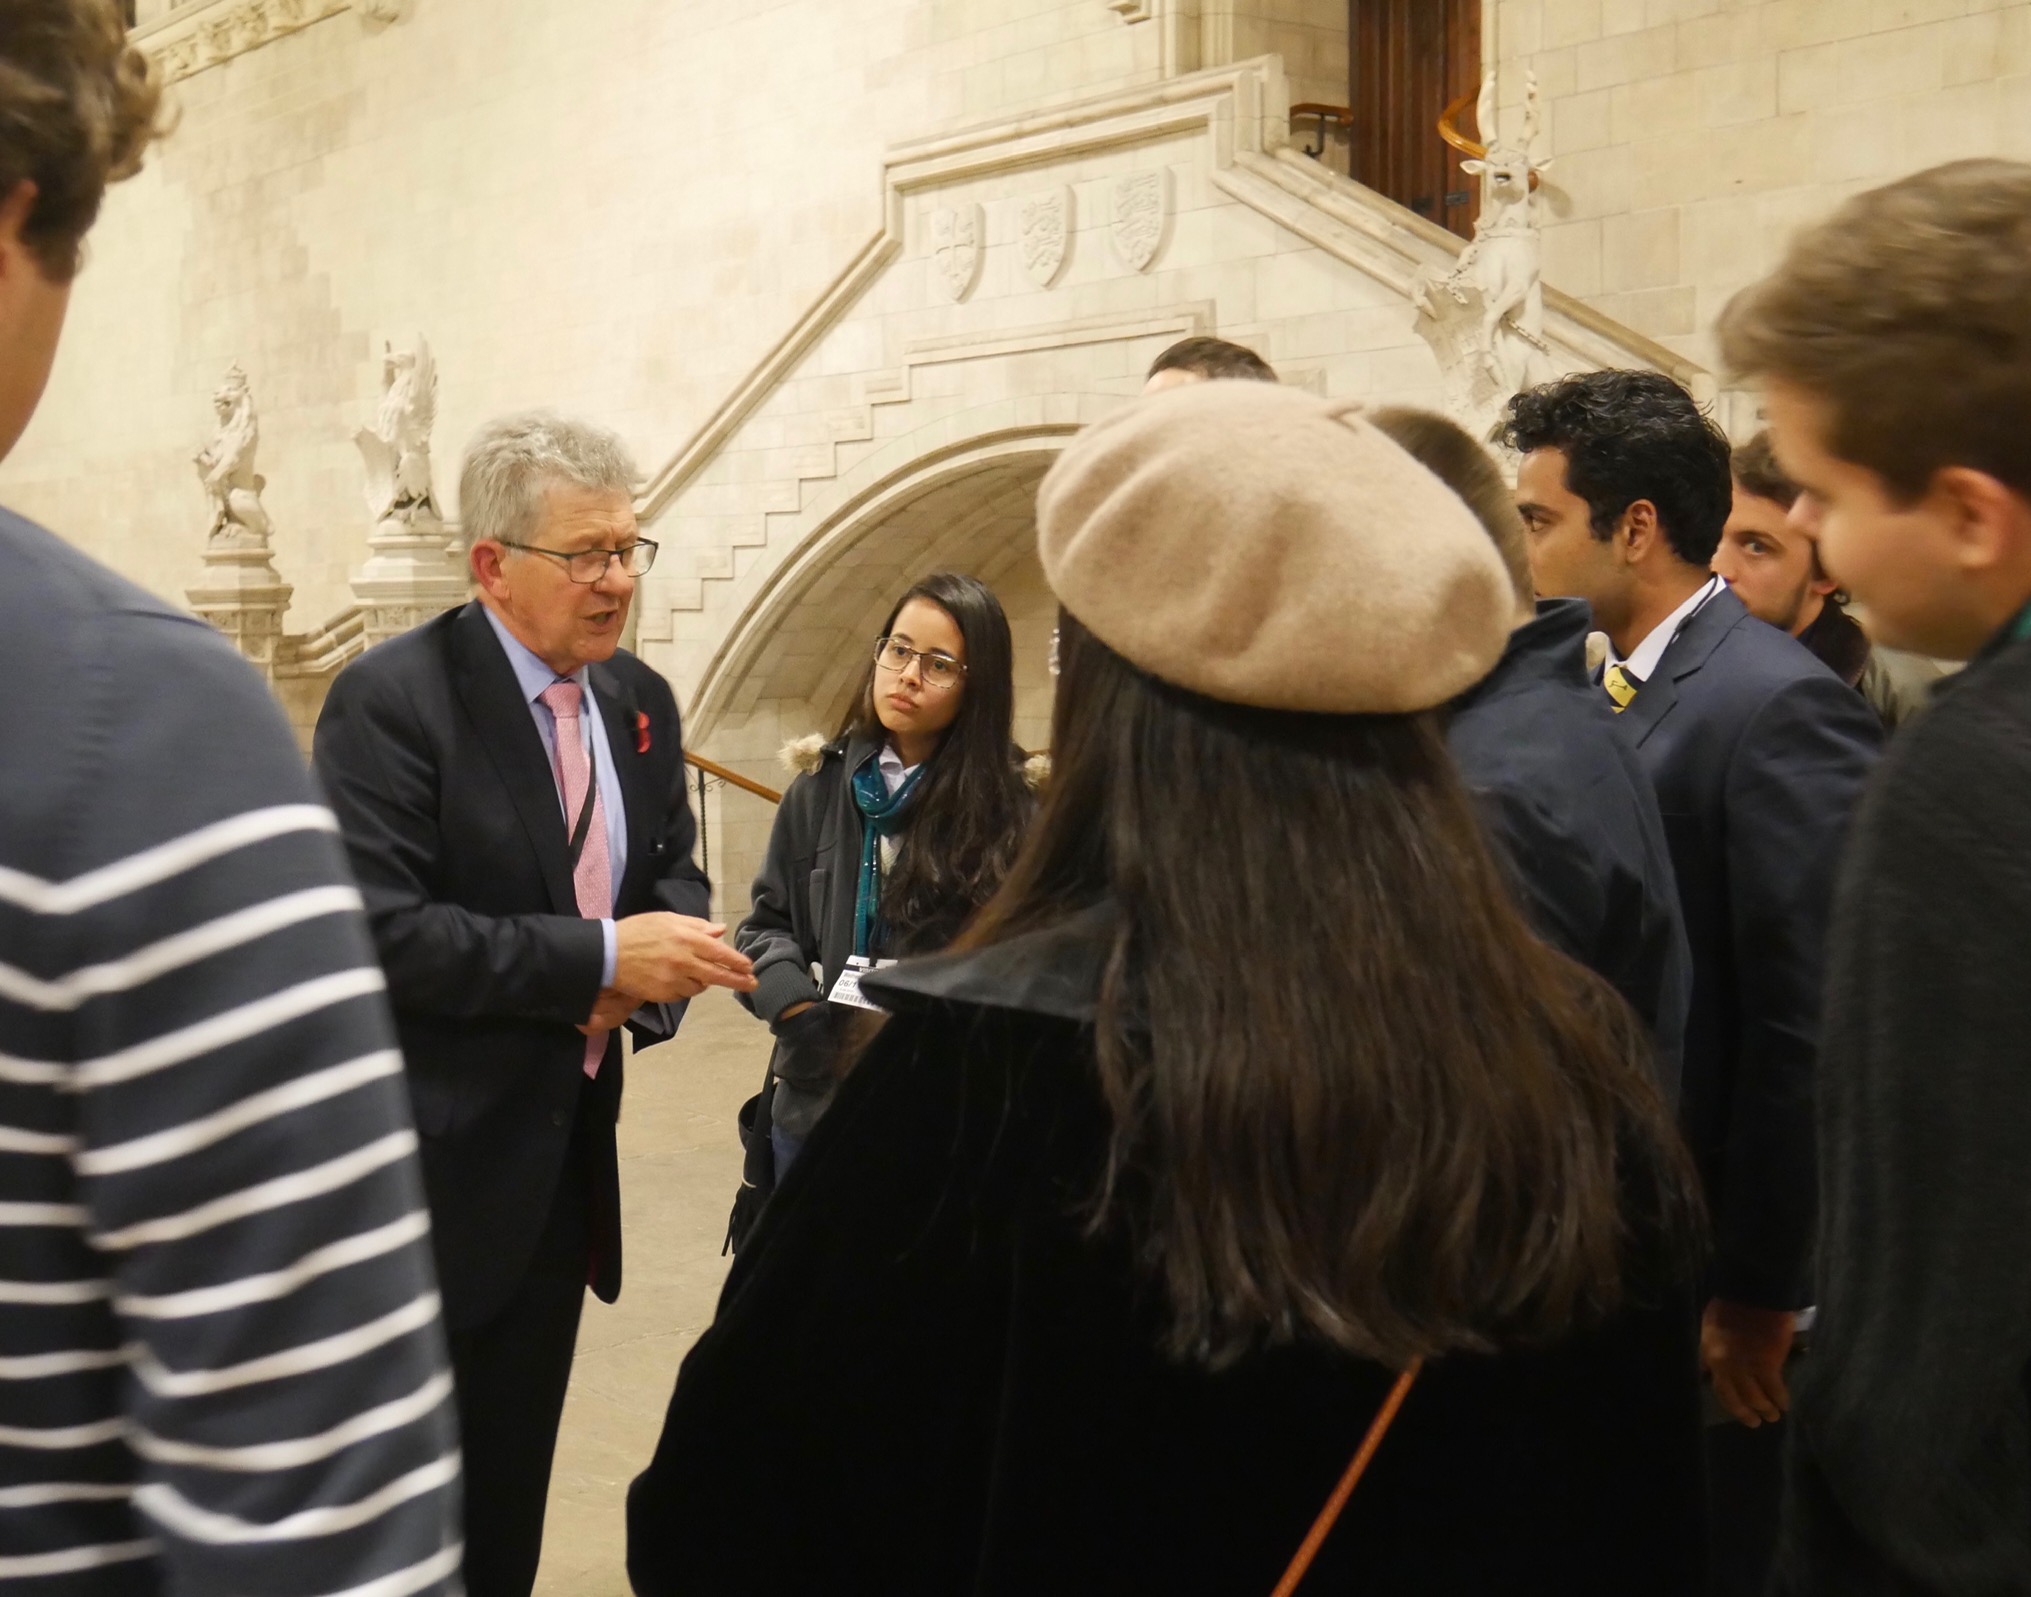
pixel 1263 546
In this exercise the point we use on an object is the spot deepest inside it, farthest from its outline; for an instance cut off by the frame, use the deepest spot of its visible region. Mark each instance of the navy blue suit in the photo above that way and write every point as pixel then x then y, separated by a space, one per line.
pixel 1758 754
pixel 1573 816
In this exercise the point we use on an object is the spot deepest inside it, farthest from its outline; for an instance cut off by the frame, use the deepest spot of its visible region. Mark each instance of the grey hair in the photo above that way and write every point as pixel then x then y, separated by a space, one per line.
pixel 512 461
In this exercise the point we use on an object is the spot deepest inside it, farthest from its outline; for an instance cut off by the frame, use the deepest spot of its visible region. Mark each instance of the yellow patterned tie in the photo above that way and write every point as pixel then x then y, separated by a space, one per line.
pixel 1621 687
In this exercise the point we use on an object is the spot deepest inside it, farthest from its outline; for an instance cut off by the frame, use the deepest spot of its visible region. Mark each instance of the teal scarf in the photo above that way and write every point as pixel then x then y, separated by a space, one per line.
pixel 882 814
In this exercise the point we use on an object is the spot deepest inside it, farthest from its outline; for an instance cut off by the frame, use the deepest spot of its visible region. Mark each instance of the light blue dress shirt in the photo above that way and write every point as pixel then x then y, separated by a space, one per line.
pixel 534 677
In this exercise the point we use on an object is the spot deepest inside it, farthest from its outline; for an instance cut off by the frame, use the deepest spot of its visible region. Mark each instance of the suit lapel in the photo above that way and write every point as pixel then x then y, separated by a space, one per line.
pixel 493 698
pixel 617 710
pixel 1685 654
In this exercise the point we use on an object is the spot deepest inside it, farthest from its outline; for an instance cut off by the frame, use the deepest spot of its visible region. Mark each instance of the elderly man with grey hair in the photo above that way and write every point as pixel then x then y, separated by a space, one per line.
pixel 510 783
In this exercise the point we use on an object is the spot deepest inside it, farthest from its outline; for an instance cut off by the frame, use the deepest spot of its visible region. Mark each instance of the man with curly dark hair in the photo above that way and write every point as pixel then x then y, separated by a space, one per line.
pixel 223 1366
pixel 1757 753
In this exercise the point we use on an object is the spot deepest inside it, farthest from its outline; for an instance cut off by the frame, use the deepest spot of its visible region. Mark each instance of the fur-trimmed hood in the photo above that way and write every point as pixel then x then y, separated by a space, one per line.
pixel 805 756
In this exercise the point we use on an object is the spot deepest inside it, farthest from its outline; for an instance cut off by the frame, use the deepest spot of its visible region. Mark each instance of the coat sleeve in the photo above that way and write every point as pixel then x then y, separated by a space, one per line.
pixel 770 934
pixel 1791 789
pixel 380 773
pixel 682 888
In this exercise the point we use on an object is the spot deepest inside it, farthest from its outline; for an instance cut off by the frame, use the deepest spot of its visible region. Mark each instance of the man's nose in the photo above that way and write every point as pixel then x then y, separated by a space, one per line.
pixel 615 582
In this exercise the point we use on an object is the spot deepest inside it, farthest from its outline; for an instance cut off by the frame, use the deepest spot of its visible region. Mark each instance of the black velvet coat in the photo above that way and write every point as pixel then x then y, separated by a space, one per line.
pixel 926 1379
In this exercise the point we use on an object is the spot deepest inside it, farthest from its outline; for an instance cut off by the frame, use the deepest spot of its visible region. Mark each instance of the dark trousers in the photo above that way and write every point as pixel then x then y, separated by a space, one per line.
pixel 1745 1496
pixel 511 1372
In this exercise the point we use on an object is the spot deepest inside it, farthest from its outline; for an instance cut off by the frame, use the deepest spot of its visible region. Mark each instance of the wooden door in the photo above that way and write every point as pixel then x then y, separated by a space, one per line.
pixel 1411 58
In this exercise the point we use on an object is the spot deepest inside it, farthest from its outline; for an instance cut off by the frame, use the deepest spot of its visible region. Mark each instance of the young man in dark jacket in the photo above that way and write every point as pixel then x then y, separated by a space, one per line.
pixel 1895 343
pixel 1757 753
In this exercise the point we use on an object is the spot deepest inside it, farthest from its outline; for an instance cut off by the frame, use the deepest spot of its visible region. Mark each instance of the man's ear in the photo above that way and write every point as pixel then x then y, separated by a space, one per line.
pixel 16 208
pixel 1639 531
pixel 486 558
pixel 1990 521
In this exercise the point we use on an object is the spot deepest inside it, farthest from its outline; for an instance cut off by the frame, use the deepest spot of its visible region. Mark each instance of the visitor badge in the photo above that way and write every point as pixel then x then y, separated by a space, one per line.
pixel 847 989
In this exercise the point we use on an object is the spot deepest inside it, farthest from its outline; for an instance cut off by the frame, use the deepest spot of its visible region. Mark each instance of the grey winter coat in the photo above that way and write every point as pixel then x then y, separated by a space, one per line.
pixel 799 927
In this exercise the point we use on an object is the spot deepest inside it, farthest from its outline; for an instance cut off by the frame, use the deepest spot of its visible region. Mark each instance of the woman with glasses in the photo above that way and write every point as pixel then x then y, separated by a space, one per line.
pixel 894 833
pixel 1248 1150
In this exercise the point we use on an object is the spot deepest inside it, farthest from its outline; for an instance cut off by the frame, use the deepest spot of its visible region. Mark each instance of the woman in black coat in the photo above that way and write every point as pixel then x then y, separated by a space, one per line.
pixel 897 830
pixel 1249 1095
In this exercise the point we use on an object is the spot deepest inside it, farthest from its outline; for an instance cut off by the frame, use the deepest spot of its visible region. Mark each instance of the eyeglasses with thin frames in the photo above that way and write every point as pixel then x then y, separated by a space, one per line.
pixel 588 566
pixel 940 672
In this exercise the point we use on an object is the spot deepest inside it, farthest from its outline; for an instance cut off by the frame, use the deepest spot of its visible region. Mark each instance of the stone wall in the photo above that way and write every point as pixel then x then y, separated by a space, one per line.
pixel 1694 136
pixel 729 231
pixel 611 206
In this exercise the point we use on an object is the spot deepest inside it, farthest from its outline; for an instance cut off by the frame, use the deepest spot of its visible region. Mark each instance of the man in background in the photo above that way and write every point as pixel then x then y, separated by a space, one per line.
pixel 1757 754
pixel 1206 360
pixel 1771 560
pixel 1894 343
pixel 225 1370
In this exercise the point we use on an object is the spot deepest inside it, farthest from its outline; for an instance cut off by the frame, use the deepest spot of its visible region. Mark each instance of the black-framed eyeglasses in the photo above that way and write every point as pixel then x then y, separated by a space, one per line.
pixel 589 565
pixel 940 672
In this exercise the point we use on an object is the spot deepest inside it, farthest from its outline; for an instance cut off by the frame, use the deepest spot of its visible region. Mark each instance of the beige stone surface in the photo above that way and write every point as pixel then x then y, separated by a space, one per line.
pixel 1734 122
pixel 680 1163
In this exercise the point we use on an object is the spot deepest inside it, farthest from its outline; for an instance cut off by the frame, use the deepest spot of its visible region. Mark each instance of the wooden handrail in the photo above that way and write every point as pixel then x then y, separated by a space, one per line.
pixel 1449 130
pixel 698 762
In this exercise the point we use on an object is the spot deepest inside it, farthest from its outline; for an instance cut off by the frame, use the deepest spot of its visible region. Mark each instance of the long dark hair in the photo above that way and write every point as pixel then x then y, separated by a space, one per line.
pixel 972 805
pixel 1354 1099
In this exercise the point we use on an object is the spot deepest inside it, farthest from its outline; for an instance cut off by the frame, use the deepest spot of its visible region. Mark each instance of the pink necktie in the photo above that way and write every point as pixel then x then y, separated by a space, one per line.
pixel 593 878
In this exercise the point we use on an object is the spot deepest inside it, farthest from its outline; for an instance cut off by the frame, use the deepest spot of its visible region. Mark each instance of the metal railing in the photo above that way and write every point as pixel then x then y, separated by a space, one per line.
pixel 708 772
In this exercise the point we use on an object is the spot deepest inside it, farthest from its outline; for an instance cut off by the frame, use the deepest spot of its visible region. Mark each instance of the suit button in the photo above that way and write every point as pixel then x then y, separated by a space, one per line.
pixel 557 1117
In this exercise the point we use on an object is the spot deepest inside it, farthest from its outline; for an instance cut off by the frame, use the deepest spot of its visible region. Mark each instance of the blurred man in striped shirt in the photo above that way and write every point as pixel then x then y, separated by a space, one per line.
pixel 221 1363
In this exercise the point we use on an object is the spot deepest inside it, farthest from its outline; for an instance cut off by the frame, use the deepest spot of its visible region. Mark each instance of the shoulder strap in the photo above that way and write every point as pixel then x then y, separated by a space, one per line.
pixel 584 826
pixel 1322 1527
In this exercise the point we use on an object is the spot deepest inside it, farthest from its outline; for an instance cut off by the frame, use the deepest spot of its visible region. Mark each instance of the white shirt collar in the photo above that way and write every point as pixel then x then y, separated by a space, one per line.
pixel 894 772
pixel 531 674
pixel 1644 658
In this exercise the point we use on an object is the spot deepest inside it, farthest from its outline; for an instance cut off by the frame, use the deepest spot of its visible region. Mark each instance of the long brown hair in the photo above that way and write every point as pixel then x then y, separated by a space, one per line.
pixel 1354 1099
pixel 972 805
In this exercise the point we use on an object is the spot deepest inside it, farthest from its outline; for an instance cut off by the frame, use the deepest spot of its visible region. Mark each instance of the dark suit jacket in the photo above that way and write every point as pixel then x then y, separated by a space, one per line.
pixel 1572 813
pixel 1758 753
pixel 453 825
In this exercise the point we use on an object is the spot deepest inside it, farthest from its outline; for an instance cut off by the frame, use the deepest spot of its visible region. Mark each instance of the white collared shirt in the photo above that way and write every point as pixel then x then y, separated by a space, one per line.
pixel 894 772
pixel 1647 655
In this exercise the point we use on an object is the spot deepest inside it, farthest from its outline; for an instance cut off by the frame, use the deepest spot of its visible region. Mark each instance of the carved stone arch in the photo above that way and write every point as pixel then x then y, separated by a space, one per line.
pixel 939 495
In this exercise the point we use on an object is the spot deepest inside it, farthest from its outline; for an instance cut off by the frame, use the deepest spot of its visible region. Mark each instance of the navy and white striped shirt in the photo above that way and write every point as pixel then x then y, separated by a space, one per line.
pixel 221 1364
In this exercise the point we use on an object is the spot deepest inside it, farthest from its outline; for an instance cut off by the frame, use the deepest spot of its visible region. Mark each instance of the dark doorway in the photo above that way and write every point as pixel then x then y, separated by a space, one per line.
pixel 1411 59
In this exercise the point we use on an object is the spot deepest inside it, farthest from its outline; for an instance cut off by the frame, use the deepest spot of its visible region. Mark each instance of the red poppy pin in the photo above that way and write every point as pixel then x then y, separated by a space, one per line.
pixel 641 732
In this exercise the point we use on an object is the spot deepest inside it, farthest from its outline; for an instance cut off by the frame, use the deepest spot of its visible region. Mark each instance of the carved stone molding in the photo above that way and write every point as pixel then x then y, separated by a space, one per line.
pixel 195 37
pixel 1044 230
pixel 958 244
pixel 1142 209
pixel 1133 10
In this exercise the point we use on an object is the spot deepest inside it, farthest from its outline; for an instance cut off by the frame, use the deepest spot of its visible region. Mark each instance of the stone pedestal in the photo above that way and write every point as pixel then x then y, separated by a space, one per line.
pixel 243 595
pixel 410 577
